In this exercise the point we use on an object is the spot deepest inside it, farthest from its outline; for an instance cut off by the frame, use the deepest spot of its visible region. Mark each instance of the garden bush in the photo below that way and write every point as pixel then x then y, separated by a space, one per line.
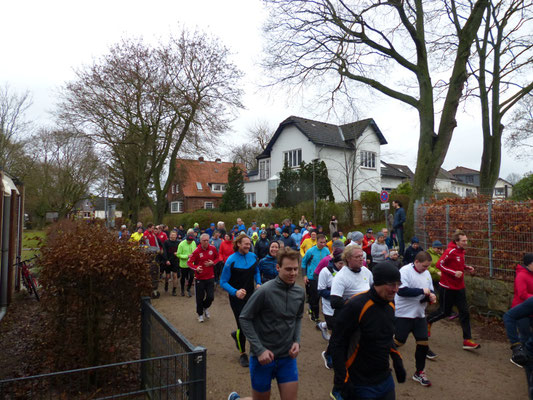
pixel 93 286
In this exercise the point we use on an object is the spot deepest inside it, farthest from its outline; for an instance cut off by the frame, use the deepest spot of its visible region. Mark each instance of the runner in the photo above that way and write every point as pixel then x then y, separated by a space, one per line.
pixel 325 279
pixel 267 265
pixel 185 249
pixel 362 341
pixel 272 321
pixel 309 263
pixel 238 276
pixel 202 261
pixel 411 300
pixel 352 280
pixel 171 262
pixel 452 283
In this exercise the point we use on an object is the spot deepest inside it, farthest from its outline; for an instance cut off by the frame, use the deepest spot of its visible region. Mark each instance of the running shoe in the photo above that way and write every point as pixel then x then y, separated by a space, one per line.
pixel 421 378
pixel 234 336
pixel 189 293
pixel 519 356
pixel 182 293
pixel 234 396
pixel 468 344
pixel 243 360
pixel 335 395
pixel 200 318
pixel 310 314
pixel 206 313
pixel 323 327
pixel 328 362
pixel 430 355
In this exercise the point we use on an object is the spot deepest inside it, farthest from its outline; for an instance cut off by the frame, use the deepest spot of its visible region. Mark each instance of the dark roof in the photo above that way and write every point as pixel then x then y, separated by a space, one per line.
pixel 463 171
pixel 403 169
pixel 253 172
pixel 443 174
pixel 389 170
pixel 324 134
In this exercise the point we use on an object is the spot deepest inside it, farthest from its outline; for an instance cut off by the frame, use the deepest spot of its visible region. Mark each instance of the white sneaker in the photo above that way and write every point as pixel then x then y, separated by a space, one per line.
pixel 200 318
pixel 324 329
pixel 206 313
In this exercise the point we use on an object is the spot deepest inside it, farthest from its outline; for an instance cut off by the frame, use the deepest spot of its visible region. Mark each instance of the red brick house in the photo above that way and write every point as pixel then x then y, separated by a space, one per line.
pixel 198 184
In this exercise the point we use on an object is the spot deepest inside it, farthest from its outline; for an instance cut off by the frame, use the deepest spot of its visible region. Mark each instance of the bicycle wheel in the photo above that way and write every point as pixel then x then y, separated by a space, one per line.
pixel 34 287
pixel 26 283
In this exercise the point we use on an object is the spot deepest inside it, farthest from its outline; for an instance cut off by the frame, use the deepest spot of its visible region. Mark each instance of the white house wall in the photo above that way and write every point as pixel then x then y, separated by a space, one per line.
pixel 366 179
pixel 290 139
pixel 260 188
pixel 390 182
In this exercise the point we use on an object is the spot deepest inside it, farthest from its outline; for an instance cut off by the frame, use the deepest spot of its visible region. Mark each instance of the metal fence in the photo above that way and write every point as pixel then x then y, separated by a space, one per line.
pixel 170 368
pixel 499 232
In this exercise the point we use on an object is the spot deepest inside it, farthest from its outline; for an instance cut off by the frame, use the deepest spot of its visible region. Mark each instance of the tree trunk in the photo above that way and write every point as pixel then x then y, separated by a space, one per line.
pixel 490 161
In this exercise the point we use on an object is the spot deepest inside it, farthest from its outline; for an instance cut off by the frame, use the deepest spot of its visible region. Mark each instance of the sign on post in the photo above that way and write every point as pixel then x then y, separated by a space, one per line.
pixel 384 197
pixel 385 206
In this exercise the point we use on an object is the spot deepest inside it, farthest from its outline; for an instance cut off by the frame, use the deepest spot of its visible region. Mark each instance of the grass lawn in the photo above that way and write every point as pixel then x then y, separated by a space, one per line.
pixel 30 241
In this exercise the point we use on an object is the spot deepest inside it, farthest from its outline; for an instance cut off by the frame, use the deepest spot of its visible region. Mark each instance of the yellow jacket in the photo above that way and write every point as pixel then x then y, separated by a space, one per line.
pixel 306 245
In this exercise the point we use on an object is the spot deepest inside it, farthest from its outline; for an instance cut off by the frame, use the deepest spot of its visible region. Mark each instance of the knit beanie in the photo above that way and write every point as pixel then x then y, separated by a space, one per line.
pixel 337 255
pixel 356 236
pixel 385 272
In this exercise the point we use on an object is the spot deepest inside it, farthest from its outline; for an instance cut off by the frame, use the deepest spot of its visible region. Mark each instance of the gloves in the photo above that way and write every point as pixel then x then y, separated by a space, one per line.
pixel 397 363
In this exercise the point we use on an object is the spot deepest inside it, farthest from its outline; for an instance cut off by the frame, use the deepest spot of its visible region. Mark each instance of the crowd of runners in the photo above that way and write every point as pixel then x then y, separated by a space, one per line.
pixel 373 295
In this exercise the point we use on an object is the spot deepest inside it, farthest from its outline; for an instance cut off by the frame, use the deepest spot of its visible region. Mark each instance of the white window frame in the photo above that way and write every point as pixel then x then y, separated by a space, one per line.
pixel 173 189
pixel 177 187
pixel 293 158
pixel 250 198
pixel 264 169
pixel 218 187
pixel 368 159
pixel 209 205
pixel 199 186
pixel 176 207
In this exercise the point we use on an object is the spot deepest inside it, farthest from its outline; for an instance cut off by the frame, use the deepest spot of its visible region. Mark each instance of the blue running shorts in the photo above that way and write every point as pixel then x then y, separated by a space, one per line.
pixel 282 369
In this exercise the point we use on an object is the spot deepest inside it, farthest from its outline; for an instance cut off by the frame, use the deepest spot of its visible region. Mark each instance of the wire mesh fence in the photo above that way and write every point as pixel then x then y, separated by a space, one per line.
pixel 499 232
pixel 170 368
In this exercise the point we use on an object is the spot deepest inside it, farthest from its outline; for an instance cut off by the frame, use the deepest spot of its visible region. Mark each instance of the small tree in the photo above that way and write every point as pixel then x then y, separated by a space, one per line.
pixel 234 198
pixel 288 188
pixel 523 190
pixel 322 182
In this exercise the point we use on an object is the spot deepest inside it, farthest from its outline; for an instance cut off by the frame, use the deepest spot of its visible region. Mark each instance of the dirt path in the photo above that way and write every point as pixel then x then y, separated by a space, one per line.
pixel 456 374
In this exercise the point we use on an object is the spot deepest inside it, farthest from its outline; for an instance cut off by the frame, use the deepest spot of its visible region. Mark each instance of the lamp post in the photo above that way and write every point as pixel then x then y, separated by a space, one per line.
pixel 314 192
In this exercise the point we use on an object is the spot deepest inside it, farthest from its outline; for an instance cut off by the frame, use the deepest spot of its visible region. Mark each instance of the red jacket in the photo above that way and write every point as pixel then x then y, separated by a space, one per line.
pixel 523 285
pixel 151 238
pixel 452 260
pixel 225 250
pixel 367 244
pixel 199 258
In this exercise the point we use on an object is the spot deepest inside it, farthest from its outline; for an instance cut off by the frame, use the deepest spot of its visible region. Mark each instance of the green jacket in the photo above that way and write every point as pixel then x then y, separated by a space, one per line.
pixel 433 270
pixel 184 251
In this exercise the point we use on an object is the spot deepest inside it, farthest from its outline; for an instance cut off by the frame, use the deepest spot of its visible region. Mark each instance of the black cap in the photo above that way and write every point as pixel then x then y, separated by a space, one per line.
pixel 385 272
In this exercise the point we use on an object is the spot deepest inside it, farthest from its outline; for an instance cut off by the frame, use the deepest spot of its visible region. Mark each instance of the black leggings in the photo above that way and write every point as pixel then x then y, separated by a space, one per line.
pixel 448 299
pixel 186 275
pixel 236 306
pixel 313 298
pixel 205 294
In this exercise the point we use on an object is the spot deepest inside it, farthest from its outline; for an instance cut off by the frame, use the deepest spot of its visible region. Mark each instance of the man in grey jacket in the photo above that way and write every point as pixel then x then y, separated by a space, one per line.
pixel 271 321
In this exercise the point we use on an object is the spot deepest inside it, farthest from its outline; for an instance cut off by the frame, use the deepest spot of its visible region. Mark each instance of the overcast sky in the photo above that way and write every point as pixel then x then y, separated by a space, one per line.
pixel 42 41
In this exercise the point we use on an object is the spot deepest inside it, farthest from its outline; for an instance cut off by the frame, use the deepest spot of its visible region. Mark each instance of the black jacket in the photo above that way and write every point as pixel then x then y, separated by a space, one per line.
pixel 261 248
pixel 363 339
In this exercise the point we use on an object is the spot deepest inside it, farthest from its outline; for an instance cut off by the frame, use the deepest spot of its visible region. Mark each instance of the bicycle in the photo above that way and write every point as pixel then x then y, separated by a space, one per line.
pixel 28 280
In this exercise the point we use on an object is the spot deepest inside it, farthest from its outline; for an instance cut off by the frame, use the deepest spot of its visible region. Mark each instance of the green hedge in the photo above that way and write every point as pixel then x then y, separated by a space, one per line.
pixel 372 204
pixel 324 211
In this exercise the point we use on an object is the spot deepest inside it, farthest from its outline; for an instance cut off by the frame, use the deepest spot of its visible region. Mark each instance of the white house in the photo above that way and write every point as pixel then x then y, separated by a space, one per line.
pixel 351 153
pixel 502 189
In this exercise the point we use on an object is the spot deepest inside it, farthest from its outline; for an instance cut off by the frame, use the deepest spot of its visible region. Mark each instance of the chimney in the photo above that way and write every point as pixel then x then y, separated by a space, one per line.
pixel 218 160
pixel 201 159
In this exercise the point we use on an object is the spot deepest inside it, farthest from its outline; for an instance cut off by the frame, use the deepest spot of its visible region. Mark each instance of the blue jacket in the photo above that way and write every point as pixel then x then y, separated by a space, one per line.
pixel 289 242
pixel 399 218
pixel 241 261
pixel 311 259
pixel 297 238
pixel 267 268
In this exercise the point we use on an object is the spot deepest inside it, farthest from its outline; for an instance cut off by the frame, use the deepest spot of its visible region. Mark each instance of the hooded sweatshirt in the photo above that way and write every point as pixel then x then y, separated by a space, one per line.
pixel 452 260
pixel 523 285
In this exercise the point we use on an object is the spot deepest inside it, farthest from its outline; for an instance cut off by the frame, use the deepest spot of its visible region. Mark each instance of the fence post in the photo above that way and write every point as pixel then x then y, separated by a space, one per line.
pixel 145 341
pixel 197 373
pixel 447 223
pixel 489 209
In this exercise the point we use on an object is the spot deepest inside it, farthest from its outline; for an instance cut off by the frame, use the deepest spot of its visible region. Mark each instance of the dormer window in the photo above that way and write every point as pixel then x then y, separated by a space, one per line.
pixel 218 187
pixel 199 186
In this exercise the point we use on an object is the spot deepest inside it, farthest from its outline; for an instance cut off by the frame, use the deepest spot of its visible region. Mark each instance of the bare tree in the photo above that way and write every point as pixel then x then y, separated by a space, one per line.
pixel 513 178
pixel 63 171
pixel 504 55
pixel 258 136
pixel 13 126
pixel 520 138
pixel 359 42
pixel 146 104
